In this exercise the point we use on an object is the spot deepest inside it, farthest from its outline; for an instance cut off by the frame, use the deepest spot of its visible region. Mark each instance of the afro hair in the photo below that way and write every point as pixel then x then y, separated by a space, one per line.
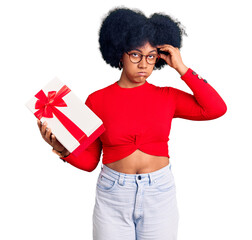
pixel 124 29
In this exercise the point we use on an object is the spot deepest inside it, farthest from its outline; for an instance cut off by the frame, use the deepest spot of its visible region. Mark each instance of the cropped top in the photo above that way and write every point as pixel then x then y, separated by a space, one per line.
pixel 140 118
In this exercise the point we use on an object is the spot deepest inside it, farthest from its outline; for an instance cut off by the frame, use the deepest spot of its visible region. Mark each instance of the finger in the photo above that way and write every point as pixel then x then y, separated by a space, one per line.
pixel 55 143
pixel 163 56
pixel 164 45
pixel 48 135
pixel 168 49
pixel 168 46
pixel 40 128
pixel 56 152
pixel 39 123
pixel 53 139
pixel 43 129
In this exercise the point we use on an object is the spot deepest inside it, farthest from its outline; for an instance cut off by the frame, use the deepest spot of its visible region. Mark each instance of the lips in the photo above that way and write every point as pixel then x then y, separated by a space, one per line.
pixel 142 73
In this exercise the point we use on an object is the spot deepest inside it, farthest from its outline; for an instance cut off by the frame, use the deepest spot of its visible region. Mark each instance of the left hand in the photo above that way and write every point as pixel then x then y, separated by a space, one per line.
pixel 173 59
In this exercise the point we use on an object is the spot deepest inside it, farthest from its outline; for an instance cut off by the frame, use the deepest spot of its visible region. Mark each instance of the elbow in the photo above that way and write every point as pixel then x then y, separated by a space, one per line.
pixel 90 168
pixel 223 109
pixel 87 166
pixel 86 162
pixel 217 112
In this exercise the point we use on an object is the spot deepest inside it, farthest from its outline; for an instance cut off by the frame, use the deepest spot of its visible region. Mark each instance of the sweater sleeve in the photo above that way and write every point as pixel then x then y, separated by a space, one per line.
pixel 204 104
pixel 90 157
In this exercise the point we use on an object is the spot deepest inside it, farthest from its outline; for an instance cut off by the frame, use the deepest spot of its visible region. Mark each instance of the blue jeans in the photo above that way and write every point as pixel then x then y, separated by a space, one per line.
pixel 135 206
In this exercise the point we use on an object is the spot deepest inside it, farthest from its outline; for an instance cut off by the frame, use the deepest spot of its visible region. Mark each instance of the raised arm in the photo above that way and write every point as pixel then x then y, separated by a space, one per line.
pixel 205 103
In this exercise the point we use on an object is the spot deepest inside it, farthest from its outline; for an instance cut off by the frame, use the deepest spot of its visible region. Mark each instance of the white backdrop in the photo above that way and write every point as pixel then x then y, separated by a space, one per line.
pixel 45 198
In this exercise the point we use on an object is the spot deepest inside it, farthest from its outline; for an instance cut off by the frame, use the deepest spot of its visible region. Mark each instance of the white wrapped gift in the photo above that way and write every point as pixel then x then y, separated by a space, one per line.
pixel 73 123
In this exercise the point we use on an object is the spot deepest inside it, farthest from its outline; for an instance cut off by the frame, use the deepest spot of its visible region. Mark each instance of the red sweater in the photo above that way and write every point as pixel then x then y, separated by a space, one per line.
pixel 140 118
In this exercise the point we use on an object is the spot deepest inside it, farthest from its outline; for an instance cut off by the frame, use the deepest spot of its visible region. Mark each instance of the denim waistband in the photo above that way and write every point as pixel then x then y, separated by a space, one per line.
pixel 125 177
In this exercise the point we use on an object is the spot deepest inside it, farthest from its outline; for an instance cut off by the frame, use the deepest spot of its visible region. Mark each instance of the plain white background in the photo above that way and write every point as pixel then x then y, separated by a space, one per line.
pixel 45 198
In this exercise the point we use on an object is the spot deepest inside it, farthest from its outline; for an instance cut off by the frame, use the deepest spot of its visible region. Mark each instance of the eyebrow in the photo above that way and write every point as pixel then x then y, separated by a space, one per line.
pixel 141 51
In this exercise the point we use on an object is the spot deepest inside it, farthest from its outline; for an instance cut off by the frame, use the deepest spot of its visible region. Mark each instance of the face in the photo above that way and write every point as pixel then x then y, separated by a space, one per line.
pixel 138 72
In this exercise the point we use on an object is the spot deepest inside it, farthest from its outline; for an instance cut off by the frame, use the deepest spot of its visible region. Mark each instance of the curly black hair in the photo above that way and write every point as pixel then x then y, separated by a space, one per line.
pixel 124 29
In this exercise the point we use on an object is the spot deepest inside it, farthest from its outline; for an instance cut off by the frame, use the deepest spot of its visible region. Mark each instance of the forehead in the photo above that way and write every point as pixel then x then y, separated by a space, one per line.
pixel 146 48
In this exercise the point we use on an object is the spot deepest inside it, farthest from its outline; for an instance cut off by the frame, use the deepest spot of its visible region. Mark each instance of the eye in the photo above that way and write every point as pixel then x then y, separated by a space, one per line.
pixel 151 56
pixel 135 55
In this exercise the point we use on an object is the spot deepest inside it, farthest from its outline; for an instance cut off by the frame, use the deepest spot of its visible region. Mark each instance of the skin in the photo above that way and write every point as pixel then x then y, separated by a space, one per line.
pixel 130 77
pixel 133 75
pixel 50 138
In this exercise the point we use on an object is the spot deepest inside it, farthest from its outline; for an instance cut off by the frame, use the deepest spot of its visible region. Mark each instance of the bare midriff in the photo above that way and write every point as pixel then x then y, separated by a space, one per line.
pixel 139 162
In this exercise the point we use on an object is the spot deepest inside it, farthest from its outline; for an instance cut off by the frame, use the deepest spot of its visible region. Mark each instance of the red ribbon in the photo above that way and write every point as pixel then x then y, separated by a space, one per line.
pixel 47 107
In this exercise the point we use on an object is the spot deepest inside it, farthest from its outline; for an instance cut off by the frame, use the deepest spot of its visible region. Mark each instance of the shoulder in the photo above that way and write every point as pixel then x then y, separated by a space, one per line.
pixel 98 96
pixel 165 91
pixel 100 92
pixel 160 89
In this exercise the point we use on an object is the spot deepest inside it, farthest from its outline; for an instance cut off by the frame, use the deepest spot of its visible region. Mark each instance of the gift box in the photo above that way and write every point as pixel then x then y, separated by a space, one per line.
pixel 73 123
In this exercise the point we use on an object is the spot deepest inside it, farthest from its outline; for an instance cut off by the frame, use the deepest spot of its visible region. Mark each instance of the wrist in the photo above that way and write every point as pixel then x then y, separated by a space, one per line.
pixel 62 154
pixel 65 153
pixel 182 70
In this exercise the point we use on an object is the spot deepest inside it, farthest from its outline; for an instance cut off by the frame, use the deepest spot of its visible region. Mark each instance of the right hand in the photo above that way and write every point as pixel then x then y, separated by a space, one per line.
pixel 50 138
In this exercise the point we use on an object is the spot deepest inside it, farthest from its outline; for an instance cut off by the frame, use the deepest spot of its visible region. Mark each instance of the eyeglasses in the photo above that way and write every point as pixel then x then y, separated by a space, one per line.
pixel 136 57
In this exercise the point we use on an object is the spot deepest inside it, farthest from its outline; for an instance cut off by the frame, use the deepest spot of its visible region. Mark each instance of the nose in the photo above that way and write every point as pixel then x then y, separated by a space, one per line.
pixel 143 63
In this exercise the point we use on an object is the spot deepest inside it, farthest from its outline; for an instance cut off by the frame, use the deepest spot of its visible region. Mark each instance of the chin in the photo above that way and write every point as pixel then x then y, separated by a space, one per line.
pixel 141 78
pixel 140 81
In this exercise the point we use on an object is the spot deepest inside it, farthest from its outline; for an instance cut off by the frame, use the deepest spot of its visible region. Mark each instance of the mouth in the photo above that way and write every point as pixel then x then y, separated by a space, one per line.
pixel 142 73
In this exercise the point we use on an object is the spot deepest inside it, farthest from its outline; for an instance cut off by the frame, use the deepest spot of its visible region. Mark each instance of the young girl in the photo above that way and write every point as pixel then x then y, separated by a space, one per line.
pixel 135 192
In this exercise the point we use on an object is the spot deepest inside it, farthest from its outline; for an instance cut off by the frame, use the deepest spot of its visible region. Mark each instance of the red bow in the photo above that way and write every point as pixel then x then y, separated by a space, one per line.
pixel 47 107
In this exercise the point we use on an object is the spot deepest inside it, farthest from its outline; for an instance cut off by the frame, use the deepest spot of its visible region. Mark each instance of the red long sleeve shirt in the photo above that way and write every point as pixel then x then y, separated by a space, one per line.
pixel 140 118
